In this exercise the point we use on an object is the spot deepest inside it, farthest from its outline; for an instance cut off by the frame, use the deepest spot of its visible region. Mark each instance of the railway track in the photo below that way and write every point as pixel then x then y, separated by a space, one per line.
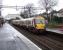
pixel 50 41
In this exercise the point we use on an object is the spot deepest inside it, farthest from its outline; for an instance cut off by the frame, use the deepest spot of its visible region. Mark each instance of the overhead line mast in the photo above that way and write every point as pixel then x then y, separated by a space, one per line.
pixel 0 6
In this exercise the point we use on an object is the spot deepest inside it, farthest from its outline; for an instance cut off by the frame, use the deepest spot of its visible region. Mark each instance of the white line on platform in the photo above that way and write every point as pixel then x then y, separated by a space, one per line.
pixel 28 42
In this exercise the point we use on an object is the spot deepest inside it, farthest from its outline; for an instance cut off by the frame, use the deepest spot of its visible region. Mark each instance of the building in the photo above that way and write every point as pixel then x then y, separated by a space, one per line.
pixel 59 13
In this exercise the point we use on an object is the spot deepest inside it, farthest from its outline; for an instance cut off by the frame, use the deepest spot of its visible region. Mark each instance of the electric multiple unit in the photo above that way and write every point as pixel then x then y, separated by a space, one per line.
pixel 34 23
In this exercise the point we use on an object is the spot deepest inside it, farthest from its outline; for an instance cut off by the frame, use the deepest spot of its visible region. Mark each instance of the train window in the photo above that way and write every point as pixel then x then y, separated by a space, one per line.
pixel 40 21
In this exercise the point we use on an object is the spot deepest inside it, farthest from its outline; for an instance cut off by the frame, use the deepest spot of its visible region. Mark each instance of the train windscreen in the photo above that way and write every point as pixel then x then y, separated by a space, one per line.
pixel 39 21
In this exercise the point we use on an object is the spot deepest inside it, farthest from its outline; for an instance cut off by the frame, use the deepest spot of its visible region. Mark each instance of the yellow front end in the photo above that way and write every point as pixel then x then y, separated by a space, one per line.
pixel 40 23
pixel 40 26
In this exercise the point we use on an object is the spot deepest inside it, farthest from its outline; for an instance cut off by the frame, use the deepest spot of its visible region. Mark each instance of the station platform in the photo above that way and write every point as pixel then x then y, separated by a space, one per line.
pixel 11 39
pixel 56 30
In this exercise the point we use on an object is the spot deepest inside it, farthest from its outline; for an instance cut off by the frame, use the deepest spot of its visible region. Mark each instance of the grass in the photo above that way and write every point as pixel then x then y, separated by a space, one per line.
pixel 54 25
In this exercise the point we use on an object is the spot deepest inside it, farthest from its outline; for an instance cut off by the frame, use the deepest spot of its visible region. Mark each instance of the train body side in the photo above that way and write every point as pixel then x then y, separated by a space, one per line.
pixel 35 23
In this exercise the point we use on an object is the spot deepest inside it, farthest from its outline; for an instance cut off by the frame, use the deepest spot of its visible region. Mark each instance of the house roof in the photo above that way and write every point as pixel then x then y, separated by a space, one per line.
pixel 61 10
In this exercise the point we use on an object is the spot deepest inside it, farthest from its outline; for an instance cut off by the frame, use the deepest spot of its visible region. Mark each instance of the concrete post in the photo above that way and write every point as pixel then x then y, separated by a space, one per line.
pixel 0 11
pixel 0 6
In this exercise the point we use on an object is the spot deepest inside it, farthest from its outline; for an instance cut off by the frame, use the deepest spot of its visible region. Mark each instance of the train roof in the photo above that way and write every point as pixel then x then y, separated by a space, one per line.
pixel 29 18
pixel 37 17
pixel 40 17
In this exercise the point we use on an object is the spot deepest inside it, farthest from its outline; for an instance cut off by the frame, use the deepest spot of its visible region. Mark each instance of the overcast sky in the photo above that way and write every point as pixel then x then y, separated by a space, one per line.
pixel 6 11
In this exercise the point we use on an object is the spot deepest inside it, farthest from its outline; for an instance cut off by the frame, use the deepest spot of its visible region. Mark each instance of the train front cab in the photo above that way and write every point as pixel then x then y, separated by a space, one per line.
pixel 39 24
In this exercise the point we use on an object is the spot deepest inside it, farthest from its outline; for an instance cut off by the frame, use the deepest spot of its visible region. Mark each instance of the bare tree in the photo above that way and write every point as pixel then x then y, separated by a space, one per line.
pixel 48 4
pixel 24 14
pixel 30 9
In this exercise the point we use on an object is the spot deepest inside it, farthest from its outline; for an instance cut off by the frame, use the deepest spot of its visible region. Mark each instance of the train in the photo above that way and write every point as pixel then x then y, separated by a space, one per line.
pixel 34 23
